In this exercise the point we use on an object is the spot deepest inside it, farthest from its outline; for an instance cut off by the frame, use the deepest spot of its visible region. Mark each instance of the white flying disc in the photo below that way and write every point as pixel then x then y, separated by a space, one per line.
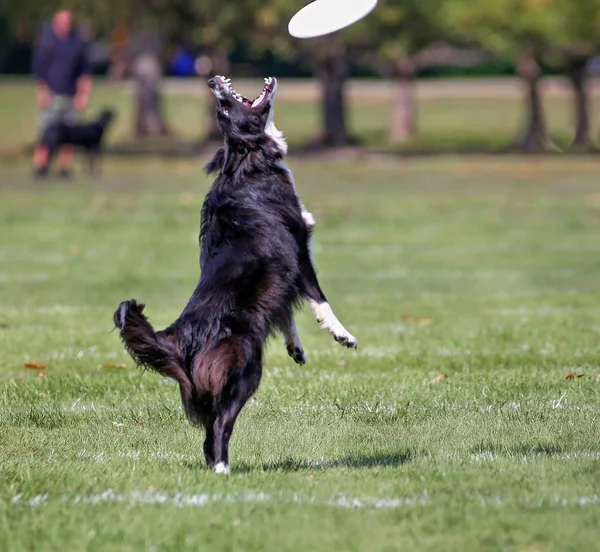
pixel 327 16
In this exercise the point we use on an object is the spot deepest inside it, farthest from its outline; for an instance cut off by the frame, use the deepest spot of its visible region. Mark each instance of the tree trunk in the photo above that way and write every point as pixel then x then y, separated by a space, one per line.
pixel 577 73
pixel 332 72
pixel 149 114
pixel 403 126
pixel 536 135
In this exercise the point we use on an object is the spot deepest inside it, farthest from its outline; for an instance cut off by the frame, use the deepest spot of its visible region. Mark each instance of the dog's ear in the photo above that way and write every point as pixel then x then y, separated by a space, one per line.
pixel 216 164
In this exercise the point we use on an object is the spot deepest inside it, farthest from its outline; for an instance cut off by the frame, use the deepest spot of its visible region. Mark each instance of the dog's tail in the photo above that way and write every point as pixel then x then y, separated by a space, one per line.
pixel 150 350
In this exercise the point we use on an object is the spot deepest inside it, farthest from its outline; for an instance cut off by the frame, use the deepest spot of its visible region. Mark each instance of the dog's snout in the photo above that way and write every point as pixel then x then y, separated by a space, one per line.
pixel 212 83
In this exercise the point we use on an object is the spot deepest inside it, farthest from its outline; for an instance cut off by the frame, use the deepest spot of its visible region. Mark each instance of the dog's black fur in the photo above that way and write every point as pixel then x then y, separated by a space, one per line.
pixel 85 136
pixel 255 268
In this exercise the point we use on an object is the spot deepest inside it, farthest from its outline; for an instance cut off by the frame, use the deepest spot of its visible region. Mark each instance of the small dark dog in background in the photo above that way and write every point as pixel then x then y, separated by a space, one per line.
pixel 83 136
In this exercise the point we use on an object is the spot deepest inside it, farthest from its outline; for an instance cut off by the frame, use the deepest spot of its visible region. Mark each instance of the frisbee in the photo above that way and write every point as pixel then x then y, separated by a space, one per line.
pixel 323 17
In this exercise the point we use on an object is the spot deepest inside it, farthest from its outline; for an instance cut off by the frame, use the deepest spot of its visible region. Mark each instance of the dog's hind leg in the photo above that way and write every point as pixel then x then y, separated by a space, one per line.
pixel 235 397
pixel 292 341
pixel 209 442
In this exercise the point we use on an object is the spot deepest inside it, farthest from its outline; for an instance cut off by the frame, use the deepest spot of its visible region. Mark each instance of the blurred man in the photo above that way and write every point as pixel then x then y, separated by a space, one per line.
pixel 64 83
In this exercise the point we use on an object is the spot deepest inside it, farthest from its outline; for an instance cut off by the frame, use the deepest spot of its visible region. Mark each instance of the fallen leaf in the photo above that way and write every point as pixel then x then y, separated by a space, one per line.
pixel 311 477
pixel 342 363
pixel 34 366
pixel 570 376
pixel 419 321
pixel 235 522
pixel 152 489
pixel 110 366
pixel 438 378
pixel 579 376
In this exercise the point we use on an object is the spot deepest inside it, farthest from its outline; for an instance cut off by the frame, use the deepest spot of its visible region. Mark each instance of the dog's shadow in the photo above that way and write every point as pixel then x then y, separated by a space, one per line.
pixel 396 459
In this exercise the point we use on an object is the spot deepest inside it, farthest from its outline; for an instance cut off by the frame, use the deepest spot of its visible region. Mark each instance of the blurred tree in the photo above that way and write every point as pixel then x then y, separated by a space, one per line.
pixel 582 22
pixel 220 27
pixel 327 57
pixel 526 30
pixel 400 39
pixel 152 25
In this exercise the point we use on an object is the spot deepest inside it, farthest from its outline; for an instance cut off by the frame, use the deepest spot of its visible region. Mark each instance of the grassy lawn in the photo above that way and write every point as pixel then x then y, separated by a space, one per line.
pixel 489 120
pixel 468 419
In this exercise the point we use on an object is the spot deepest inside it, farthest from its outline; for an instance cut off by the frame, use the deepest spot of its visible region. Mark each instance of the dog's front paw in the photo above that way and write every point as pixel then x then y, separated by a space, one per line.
pixel 297 353
pixel 345 338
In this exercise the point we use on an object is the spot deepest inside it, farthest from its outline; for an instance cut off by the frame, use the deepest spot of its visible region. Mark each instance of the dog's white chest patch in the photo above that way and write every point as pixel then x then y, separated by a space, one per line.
pixel 276 135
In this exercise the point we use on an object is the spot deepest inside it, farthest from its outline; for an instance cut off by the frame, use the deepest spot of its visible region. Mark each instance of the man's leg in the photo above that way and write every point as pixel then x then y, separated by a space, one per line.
pixel 40 159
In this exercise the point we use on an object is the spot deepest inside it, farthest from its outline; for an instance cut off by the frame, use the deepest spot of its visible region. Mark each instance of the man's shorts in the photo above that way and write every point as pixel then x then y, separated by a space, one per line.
pixel 60 110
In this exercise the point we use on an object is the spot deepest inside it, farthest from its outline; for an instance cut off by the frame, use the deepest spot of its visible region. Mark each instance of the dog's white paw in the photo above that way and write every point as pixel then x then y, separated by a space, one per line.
pixel 297 353
pixel 328 321
pixel 222 468
pixel 344 337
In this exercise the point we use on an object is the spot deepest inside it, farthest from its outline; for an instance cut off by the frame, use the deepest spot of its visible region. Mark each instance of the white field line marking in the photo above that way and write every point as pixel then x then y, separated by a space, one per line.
pixel 182 500
pixel 203 499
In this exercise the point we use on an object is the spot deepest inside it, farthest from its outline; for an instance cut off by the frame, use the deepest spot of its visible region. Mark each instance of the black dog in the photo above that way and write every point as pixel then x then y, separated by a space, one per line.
pixel 255 268
pixel 85 136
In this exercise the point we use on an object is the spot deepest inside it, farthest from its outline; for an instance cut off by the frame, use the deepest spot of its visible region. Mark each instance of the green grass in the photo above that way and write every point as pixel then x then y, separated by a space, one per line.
pixel 367 450
pixel 489 121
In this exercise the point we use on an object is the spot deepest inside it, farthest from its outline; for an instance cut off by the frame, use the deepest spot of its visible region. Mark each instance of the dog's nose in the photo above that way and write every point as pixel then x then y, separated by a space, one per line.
pixel 212 82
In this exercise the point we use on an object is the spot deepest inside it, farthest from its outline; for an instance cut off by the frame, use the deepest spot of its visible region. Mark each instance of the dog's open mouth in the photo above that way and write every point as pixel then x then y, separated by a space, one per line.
pixel 222 85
